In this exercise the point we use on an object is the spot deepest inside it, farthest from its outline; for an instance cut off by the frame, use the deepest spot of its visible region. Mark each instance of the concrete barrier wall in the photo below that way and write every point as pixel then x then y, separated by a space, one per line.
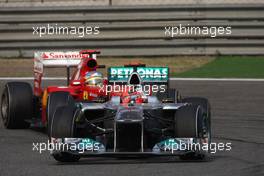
pixel 135 30
pixel 19 3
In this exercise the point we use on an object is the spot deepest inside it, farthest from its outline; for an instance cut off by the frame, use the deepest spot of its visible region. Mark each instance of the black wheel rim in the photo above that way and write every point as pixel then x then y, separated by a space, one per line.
pixel 5 108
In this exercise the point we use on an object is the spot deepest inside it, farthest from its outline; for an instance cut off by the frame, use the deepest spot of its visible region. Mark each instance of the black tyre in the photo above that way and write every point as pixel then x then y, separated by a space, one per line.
pixel 17 105
pixel 63 126
pixel 205 127
pixel 169 96
pixel 203 102
pixel 55 100
pixel 206 112
pixel 193 156
pixel 187 122
pixel 66 157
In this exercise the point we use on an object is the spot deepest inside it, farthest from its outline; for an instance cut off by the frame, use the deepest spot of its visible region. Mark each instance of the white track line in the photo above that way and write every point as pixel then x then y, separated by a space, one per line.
pixel 173 79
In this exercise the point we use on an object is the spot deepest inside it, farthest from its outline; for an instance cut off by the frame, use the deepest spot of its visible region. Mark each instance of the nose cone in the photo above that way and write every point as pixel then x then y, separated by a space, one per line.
pixel 130 114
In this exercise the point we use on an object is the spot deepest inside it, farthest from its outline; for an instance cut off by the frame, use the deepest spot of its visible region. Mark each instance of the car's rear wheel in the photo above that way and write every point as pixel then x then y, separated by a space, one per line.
pixel 63 126
pixel 17 105
pixel 55 100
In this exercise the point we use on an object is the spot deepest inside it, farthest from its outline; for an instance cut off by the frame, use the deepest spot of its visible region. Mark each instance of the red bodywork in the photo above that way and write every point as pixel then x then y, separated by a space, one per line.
pixel 84 61
pixel 76 87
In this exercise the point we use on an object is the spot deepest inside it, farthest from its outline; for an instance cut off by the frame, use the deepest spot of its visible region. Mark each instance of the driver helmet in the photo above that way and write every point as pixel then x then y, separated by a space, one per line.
pixel 93 78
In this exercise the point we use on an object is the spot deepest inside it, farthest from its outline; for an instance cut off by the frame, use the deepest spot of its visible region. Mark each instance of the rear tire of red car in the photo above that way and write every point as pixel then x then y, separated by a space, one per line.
pixel 17 105
pixel 55 100
pixel 63 126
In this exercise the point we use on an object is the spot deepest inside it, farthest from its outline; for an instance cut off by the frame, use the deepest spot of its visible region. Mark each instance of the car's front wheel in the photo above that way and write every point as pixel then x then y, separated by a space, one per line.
pixel 63 126
pixel 204 128
pixel 206 114
pixel 55 100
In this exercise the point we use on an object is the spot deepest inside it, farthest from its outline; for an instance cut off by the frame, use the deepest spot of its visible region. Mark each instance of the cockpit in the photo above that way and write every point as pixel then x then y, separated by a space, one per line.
pixel 94 78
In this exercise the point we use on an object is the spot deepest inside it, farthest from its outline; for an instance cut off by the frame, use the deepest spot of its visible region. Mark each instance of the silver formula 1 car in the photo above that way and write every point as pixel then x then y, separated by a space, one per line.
pixel 132 122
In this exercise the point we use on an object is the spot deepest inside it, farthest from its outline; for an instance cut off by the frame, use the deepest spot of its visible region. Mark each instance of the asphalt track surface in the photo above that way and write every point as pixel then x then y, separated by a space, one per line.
pixel 237 117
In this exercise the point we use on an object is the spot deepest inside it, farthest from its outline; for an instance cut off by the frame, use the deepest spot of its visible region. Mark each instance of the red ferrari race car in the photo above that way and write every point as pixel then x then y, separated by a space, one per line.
pixel 21 106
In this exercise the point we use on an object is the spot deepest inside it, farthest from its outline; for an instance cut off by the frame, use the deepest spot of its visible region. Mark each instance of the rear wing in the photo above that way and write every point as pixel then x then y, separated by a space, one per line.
pixel 148 75
pixel 57 59
pixel 60 59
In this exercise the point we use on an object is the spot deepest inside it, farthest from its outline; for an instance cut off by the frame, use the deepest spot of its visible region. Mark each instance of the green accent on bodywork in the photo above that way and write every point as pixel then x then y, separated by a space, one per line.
pixel 87 141
pixel 170 142
pixel 94 145
pixel 161 146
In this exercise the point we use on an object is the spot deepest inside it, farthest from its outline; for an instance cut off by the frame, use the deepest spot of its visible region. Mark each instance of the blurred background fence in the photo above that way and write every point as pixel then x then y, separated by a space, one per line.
pixel 133 28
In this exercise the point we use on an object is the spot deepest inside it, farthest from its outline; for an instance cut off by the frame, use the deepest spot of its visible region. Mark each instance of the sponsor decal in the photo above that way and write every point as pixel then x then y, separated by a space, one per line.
pixel 61 55
pixel 147 74
pixel 38 66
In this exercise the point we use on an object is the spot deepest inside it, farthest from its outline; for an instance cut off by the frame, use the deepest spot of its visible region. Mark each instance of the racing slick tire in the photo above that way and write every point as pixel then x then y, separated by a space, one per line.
pixel 203 102
pixel 206 113
pixel 188 122
pixel 66 157
pixel 55 100
pixel 205 132
pixel 63 126
pixel 193 156
pixel 17 105
pixel 169 96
